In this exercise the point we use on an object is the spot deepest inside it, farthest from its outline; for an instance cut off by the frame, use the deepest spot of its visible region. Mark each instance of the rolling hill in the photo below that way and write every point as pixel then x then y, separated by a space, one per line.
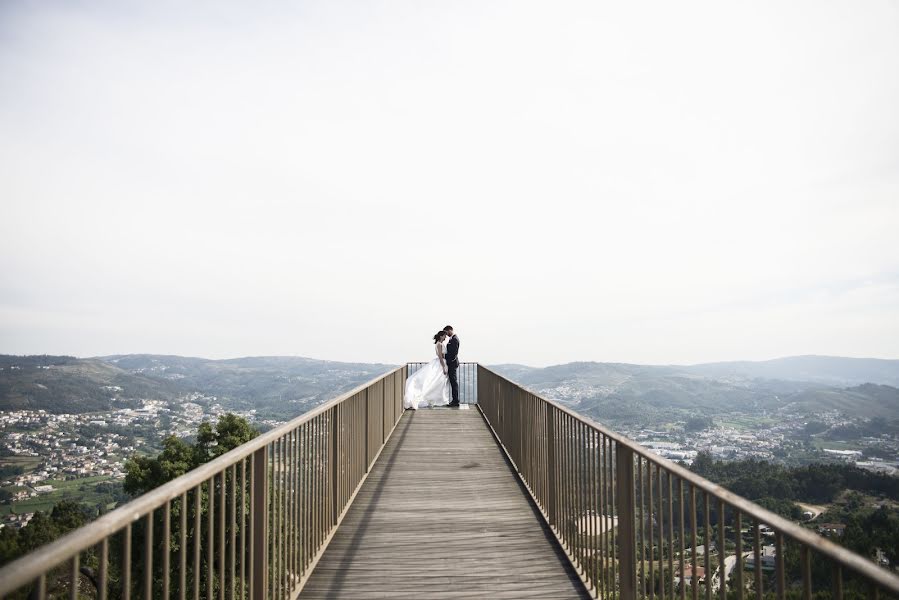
pixel 281 387
pixel 634 394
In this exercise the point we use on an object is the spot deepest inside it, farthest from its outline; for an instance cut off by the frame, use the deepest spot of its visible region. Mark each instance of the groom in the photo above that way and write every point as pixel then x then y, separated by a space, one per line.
pixel 452 363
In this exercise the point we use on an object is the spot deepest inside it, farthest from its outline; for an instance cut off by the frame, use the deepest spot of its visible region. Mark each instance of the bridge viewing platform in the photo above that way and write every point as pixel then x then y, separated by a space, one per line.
pixel 442 515
pixel 510 495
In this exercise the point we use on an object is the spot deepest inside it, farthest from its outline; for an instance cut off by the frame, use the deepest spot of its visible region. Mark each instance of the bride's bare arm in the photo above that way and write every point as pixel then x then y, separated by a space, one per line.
pixel 440 356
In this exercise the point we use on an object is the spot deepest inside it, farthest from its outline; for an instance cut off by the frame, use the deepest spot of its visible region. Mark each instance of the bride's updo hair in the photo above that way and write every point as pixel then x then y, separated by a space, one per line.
pixel 439 336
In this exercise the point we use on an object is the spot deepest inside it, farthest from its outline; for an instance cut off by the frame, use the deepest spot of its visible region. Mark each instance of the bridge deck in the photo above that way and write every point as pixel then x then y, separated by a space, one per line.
pixel 442 515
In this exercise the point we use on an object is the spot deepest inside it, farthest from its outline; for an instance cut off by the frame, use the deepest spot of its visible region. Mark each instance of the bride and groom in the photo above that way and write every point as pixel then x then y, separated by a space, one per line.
pixel 432 384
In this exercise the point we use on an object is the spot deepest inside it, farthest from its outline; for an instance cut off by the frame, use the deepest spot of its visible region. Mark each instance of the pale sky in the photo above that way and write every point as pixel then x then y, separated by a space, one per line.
pixel 651 182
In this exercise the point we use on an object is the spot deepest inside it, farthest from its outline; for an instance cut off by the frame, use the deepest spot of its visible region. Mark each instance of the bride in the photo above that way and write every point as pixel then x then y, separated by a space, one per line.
pixel 429 385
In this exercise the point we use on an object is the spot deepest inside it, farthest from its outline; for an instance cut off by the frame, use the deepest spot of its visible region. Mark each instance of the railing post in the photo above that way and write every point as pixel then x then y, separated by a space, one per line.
pixel 259 568
pixel 550 465
pixel 627 547
pixel 367 427
pixel 335 463
pixel 384 426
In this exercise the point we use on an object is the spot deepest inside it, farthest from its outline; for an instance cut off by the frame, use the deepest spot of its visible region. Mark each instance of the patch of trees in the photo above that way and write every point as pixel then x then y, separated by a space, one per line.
pixel 43 528
pixel 818 482
pixel 10 471
pixel 144 473
pixel 698 423
pixel 874 427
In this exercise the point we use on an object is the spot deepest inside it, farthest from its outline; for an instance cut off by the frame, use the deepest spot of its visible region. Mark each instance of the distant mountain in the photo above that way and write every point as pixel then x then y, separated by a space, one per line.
pixel 830 370
pixel 283 387
pixel 64 384
pixel 280 387
pixel 645 394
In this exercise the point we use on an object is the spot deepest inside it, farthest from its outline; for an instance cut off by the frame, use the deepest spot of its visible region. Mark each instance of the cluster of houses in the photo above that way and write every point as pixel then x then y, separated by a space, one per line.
pixel 720 442
pixel 66 453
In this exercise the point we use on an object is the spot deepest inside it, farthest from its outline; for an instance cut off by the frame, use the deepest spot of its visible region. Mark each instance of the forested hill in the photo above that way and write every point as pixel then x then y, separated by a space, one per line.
pixel 608 391
pixel 620 393
pixel 64 384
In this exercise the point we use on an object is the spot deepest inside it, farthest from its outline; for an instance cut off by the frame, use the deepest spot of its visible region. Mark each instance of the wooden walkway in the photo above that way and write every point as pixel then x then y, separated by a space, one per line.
pixel 442 515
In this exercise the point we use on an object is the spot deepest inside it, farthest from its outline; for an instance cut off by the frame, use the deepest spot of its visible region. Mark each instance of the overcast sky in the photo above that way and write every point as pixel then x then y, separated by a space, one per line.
pixel 653 182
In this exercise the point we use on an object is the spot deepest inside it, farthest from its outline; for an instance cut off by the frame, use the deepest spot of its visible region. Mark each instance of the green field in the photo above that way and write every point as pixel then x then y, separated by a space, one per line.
pixel 745 422
pixel 26 462
pixel 831 445
pixel 65 490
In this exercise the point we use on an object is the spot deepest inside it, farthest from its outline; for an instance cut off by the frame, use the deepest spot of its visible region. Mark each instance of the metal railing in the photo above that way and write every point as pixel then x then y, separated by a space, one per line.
pixel 251 523
pixel 467 375
pixel 636 525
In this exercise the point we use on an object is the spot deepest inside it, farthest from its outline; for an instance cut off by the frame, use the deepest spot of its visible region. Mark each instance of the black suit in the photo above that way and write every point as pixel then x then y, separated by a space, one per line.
pixel 452 363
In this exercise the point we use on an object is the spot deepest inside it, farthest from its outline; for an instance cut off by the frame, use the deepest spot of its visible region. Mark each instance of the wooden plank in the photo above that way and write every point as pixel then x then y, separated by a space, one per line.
pixel 442 515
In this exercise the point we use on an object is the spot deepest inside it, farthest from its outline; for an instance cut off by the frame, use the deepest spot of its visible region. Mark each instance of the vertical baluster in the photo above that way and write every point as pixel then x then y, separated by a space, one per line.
pixel 103 582
pixel 722 553
pixel 288 514
pixel 302 462
pixel 683 535
pixel 738 532
pixel 594 508
pixel 661 515
pixel 291 495
pixel 605 587
pixel 126 563
pixel 624 506
pixel 613 511
pixel 272 571
pixel 244 551
pixel 278 522
pixel 210 538
pixel 805 566
pixel 221 542
pixel 198 510
pixel 650 511
pixel 259 473
pixel 298 506
pixel 757 554
pixel 182 547
pixel 148 556
pixel 304 498
pixel 251 529
pixel 232 555
pixel 566 499
pixel 310 498
pixel 40 587
pixel 318 474
pixel 580 497
pixel 641 489
pixel 294 456
pixel 837 581
pixel 707 541
pixel 166 547
pixel 570 443
pixel 694 578
pixel 285 517
pixel 671 532
pixel 75 577
pixel 282 518
pixel 779 565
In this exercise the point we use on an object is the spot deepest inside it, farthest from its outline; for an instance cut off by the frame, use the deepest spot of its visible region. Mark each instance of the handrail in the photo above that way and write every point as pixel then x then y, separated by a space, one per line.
pixel 36 564
pixel 559 436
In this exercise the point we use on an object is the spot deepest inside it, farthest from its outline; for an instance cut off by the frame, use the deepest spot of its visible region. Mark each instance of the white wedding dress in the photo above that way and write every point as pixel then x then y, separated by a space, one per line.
pixel 428 386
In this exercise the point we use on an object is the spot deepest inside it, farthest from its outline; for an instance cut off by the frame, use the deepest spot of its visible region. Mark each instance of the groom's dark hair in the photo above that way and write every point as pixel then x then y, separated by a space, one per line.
pixel 448 328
